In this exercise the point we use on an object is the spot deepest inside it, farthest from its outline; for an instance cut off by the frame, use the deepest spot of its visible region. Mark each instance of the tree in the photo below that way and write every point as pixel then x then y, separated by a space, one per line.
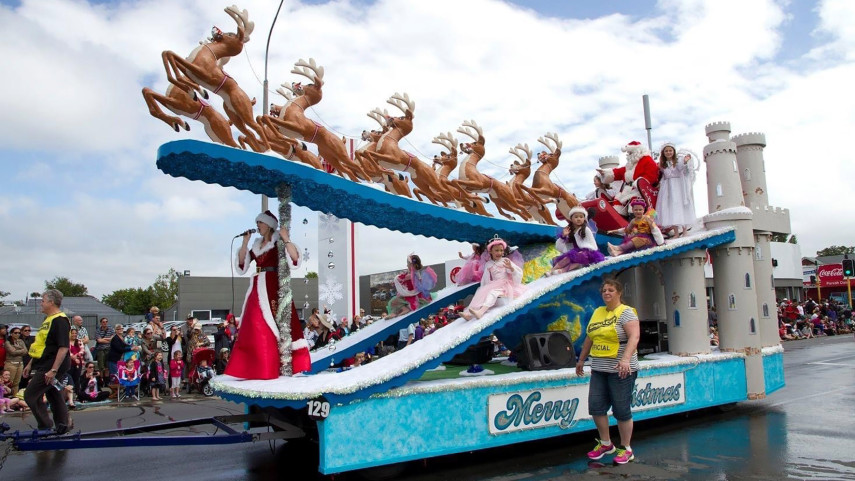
pixel 835 251
pixel 131 301
pixel 67 287
pixel 164 291
pixel 4 294
pixel 311 275
pixel 793 239
pixel 778 237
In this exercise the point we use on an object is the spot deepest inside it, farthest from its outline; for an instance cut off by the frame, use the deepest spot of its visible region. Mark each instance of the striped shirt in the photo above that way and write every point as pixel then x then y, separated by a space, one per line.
pixel 607 364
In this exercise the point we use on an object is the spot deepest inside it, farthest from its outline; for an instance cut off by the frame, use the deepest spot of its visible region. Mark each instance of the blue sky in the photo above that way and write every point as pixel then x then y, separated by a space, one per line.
pixel 83 197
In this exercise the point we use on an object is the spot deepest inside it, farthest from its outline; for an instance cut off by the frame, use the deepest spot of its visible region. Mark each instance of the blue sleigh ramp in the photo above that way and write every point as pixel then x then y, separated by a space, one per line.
pixel 323 192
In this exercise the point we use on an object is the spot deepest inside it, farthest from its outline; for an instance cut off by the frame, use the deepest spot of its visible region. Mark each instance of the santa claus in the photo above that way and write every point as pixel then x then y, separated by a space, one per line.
pixel 640 177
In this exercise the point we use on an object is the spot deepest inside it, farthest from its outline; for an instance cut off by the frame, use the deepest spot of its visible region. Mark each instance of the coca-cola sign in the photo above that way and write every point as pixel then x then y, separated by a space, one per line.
pixel 830 272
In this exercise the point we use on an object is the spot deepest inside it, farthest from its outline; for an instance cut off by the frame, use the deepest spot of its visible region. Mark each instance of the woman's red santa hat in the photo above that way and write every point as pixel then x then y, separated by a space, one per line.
pixel 267 218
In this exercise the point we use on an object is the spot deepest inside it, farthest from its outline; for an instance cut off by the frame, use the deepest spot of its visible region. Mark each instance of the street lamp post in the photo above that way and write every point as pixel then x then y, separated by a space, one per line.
pixel 265 103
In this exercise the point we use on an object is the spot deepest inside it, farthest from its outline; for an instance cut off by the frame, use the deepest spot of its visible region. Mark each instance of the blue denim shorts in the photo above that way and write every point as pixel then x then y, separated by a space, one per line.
pixel 607 390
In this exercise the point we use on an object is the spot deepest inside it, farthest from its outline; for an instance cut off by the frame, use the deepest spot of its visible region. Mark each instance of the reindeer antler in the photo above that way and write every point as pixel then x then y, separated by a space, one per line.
pixel 241 17
pixel 379 116
pixel 447 140
pixel 311 70
pixel 402 101
pixel 549 145
pixel 288 94
pixel 519 150
pixel 470 129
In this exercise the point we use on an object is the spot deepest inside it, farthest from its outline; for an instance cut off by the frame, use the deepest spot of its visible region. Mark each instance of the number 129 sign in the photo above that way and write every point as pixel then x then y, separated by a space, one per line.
pixel 319 408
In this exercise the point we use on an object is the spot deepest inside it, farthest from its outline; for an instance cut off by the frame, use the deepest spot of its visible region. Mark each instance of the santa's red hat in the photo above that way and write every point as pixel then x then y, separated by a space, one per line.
pixel 634 145
pixel 268 218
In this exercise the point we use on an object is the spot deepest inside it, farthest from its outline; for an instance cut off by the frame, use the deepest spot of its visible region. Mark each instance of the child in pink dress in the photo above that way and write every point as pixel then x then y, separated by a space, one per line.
pixel 502 279
pixel 176 367
pixel 473 269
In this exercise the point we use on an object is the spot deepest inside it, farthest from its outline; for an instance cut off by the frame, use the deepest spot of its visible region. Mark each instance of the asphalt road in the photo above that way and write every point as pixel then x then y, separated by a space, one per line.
pixel 804 431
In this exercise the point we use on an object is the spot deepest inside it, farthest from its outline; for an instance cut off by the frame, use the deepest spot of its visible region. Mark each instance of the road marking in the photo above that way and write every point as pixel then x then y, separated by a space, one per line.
pixel 831 364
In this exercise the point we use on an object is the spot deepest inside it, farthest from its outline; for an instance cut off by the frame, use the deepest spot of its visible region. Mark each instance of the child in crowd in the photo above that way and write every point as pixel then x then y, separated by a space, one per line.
pixel 472 270
pixel 502 279
pixel 131 338
pixel 157 376
pixel 128 375
pixel 176 367
pixel 640 233
pixel 5 402
pixel 675 204
pixel 204 371
pixel 577 244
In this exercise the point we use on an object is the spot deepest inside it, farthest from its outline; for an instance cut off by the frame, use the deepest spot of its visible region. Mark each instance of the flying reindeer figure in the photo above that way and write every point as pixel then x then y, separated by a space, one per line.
pixel 469 179
pixel 292 121
pixel 520 172
pixel 285 146
pixel 181 103
pixel 203 69
pixel 388 154
pixel 391 181
pixel 447 161
pixel 542 185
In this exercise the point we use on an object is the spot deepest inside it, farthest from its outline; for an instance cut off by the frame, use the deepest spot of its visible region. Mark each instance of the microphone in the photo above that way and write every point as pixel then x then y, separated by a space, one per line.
pixel 248 231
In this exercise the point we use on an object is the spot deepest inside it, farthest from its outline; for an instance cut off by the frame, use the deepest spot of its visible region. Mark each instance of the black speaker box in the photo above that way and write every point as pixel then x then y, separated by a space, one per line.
pixel 546 350
pixel 477 354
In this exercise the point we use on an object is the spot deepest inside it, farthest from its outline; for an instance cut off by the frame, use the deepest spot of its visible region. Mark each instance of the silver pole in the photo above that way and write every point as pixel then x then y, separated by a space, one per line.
pixel 646 101
pixel 265 102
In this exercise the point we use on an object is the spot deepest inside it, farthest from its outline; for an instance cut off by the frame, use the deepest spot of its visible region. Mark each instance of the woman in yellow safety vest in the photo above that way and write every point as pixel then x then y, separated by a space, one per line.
pixel 612 339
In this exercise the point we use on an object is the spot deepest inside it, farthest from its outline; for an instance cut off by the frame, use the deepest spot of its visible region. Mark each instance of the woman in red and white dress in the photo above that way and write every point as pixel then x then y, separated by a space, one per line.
pixel 256 351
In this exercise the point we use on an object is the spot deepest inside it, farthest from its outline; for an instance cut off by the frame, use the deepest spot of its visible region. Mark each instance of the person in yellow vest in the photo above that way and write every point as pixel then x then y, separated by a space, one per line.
pixel 612 339
pixel 49 361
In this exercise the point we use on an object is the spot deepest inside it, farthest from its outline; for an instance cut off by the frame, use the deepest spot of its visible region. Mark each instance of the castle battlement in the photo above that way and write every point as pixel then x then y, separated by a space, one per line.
pixel 718 131
pixel 719 146
pixel 772 219
pixel 750 138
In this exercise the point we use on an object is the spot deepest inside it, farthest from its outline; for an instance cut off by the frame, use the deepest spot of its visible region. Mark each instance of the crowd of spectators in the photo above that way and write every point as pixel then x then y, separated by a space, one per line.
pixel 808 319
pixel 117 357
pixel 320 330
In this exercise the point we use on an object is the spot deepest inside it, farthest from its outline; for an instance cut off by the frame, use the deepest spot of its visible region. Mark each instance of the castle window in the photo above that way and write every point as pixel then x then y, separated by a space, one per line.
pixel 747 280
pixel 731 302
pixel 765 310
pixel 676 318
pixel 752 326
pixel 747 174
pixel 758 253
pixel 735 167
pixel 718 190
pixel 693 301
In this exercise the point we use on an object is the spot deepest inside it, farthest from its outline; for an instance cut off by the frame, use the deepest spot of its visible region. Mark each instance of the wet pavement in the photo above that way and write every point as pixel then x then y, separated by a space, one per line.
pixel 804 431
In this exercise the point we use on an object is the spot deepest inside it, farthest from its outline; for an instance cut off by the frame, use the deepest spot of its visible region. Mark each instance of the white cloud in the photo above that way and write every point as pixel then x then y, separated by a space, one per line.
pixel 77 109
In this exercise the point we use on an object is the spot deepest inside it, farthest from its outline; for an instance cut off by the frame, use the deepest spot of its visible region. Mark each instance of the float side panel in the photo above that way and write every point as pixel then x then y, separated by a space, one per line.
pixel 426 424
pixel 773 371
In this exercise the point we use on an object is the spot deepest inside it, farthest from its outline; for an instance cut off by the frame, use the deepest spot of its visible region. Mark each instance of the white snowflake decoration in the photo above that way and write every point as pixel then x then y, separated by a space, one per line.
pixel 330 291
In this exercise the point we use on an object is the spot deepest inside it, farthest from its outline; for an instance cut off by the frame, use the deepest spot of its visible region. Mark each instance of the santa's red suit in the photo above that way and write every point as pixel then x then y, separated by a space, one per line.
pixel 256 351
pixel 639 165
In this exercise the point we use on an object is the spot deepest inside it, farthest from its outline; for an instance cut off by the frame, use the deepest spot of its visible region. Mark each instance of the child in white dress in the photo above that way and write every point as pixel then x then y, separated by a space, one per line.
pixel 675 205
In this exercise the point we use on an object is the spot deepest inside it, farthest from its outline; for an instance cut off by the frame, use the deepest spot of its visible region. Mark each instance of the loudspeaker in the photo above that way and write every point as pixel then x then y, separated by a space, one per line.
pixel 546 350
pixel 477 354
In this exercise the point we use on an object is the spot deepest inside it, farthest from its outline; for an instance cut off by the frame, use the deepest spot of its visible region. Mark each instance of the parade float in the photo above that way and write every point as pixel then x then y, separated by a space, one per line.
pixel 384 401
